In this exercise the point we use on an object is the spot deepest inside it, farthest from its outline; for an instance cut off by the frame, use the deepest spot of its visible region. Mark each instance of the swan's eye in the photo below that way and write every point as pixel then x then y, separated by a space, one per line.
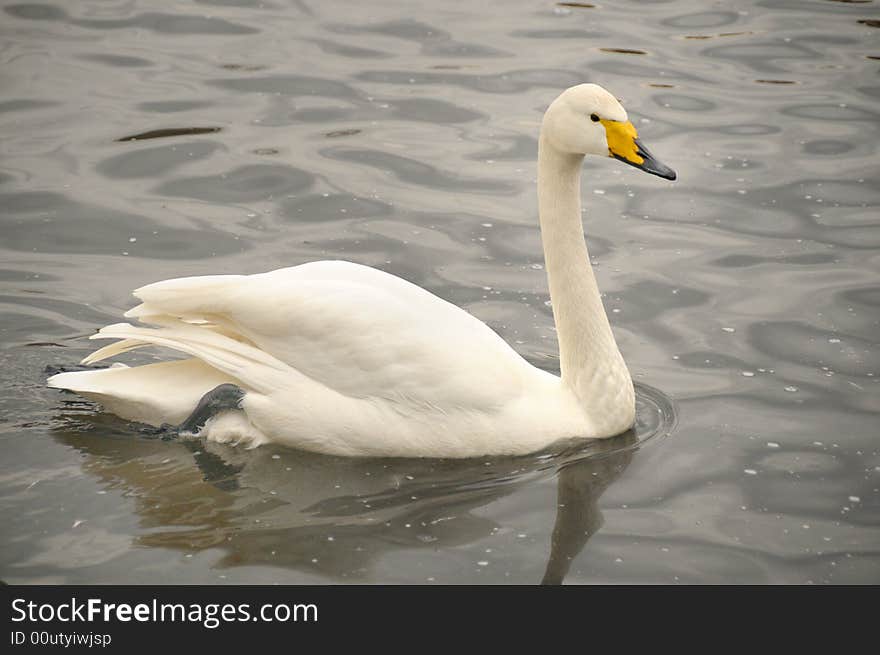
pixel 594 118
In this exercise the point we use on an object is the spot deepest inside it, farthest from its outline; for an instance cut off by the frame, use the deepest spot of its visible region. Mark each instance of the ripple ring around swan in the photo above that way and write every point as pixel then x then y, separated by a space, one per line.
pixel 656 417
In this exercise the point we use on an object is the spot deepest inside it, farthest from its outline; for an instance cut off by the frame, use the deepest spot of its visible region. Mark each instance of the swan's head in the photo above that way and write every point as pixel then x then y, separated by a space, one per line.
pixel 587 120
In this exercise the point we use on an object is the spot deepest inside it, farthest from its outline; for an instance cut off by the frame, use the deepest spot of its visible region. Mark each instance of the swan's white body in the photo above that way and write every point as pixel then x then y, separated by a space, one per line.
pixel 340 358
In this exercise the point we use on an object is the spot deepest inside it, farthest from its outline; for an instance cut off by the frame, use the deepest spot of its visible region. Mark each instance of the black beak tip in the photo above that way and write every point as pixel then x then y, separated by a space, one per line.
pixel 650 164
pixel 667 174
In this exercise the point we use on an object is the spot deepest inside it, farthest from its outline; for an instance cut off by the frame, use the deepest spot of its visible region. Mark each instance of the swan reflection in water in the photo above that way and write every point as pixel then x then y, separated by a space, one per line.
pixel 334 516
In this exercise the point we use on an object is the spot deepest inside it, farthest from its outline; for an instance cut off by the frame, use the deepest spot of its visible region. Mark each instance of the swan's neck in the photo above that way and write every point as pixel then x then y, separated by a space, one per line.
pixel 591 364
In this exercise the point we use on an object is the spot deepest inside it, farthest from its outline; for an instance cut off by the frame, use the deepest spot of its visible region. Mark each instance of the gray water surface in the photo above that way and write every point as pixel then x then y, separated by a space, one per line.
pixel 146 140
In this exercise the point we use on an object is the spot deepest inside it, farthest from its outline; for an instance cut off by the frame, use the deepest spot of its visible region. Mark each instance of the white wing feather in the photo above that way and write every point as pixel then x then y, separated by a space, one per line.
pixel 354 329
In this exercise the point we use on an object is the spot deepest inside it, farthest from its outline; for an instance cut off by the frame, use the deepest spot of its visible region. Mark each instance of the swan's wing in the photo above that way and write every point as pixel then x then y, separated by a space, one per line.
pixel 354 329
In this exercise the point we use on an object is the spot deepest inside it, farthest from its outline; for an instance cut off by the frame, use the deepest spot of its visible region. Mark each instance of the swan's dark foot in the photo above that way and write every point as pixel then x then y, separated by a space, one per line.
pixel 219 399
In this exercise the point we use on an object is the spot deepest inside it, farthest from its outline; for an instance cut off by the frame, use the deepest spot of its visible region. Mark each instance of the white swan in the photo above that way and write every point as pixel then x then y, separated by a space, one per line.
pixel 340 358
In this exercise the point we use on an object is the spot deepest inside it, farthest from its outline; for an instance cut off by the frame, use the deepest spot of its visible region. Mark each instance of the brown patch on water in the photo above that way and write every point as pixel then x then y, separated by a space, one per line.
pixel 702 37
pixel 337 133
pixel 167 132
pixel 248 68
pixel 624 51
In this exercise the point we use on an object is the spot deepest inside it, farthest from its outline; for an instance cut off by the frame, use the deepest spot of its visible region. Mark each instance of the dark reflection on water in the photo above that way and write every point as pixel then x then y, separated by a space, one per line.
pixel 244 184
pixel 415 172
pixel 337 516
pixel 513 81
pixel 34 221
pixel 291 85
pixel 434 42
pixel 25 105
pixel 116 60
pixel 241 136
pixel 151 162
pixel 163 23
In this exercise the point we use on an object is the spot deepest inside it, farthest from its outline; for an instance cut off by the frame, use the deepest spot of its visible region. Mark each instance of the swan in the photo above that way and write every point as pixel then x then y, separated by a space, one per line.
pixel 339 358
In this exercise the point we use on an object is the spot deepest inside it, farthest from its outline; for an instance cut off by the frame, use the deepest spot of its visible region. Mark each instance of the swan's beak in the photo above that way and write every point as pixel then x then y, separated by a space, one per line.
pixel 624 144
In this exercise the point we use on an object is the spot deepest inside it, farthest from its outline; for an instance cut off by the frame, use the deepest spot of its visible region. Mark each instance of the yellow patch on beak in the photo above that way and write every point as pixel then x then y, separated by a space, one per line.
pixel 622 141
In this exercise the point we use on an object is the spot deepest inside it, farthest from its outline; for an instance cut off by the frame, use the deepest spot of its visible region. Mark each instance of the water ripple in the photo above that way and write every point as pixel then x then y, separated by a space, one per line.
pixel 159 22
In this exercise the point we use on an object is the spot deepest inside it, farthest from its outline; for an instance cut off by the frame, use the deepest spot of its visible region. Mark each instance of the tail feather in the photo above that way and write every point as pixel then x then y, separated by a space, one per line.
pixel 257 369
pixel 114 349
pixel 217 324
pixel 141 393
pixel 186 315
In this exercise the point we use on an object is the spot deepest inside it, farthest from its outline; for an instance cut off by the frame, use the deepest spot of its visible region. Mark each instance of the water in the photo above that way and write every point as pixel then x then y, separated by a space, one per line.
pixel 274 133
